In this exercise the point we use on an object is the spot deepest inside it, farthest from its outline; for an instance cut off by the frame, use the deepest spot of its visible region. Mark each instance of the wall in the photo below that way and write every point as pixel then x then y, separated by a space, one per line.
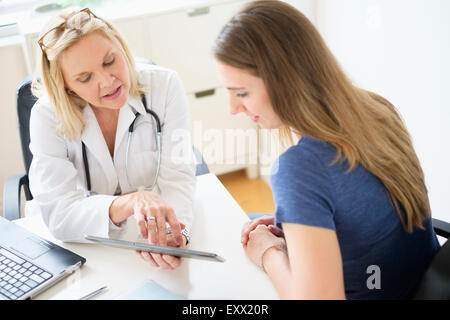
pixel 12 70
pixel 400 49
pixel 307 7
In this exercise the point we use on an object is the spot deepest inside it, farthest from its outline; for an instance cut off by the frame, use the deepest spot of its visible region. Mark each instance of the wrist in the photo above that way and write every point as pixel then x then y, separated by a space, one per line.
pixel 119 210
pixel 272 252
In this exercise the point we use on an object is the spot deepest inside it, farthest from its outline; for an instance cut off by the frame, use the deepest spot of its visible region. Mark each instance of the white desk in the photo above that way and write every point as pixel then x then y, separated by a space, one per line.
pixel 217 228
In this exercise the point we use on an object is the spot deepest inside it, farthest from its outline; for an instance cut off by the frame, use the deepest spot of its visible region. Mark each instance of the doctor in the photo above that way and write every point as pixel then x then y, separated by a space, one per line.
pixel 97 157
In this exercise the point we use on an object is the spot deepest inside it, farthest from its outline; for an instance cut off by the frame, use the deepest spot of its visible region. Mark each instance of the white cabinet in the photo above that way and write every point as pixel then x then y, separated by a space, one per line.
pixel 183 40
pixel 30 49
pixel 227 142
pixel 134 34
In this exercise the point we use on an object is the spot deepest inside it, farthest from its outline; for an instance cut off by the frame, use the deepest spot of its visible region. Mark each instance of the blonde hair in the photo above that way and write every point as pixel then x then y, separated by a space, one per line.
pixel 313 97
pixel 49 79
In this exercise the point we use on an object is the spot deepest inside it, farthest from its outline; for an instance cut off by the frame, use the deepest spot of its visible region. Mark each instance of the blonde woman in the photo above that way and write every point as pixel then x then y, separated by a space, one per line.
pixel 88 173
pixel 352 215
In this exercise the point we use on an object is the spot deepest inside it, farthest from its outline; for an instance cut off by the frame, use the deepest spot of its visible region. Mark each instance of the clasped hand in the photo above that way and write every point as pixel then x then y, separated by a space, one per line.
pixel 258 236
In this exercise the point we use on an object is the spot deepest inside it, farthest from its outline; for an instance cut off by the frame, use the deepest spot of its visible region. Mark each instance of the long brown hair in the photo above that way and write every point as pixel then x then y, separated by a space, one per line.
pixel 313 97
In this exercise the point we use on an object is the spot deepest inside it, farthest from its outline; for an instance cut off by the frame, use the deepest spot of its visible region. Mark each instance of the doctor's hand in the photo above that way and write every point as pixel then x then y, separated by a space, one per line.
pixel 252 224
pixel 164 261
pixel 151 214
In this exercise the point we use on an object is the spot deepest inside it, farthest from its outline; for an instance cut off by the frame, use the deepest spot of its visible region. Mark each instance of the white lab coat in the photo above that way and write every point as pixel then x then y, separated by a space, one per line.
pixel 57 176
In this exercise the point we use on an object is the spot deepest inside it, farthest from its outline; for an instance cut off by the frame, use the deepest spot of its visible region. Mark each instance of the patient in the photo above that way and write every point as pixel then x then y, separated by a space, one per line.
pixel 352 216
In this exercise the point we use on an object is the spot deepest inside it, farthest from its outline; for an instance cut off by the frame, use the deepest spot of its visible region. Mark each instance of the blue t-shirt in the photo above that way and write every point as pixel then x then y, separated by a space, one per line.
pixel 308 190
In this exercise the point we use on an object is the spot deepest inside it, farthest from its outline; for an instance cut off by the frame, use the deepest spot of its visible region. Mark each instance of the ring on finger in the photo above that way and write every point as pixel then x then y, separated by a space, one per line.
pixel 150 218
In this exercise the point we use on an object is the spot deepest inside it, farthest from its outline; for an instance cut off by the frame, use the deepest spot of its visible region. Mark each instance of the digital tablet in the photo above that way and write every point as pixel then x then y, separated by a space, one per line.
pixel 157 249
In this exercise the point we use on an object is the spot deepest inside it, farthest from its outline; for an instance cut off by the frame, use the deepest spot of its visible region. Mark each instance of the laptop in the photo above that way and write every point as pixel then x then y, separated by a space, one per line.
pixel 30 264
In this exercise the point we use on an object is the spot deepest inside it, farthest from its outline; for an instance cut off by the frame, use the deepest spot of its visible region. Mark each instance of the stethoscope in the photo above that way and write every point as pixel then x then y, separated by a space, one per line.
pixel 130 134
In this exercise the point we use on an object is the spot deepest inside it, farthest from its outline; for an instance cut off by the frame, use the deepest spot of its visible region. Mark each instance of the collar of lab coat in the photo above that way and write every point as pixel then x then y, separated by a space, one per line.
pixel 92 137
pixel 136 103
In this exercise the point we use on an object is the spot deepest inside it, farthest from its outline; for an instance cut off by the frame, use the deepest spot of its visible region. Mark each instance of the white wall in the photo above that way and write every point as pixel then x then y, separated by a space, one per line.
pixel 307 7
pixel 401 50
pixel 12 70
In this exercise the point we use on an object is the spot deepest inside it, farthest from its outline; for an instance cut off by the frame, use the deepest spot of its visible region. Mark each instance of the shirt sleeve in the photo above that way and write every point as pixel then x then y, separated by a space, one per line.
pixel 302 190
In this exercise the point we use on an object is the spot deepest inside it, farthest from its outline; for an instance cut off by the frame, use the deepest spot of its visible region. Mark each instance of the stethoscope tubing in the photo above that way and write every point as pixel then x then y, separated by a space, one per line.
pixel 130 134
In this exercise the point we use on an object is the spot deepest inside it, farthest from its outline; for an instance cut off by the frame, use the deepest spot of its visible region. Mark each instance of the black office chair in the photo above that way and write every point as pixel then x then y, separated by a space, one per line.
pixel 14 184
pixel 435 283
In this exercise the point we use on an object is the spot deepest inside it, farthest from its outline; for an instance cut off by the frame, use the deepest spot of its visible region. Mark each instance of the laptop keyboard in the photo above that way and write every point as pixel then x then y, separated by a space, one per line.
pixel 18 276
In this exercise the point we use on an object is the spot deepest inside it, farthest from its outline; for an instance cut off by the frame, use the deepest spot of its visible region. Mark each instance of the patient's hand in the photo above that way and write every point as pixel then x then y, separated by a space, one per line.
pixel 260 240
pixel 252 224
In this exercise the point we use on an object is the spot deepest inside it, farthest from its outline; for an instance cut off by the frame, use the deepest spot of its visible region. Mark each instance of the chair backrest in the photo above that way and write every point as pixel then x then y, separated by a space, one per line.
pixel 201 166
pixel 435 283
pixel 25 101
